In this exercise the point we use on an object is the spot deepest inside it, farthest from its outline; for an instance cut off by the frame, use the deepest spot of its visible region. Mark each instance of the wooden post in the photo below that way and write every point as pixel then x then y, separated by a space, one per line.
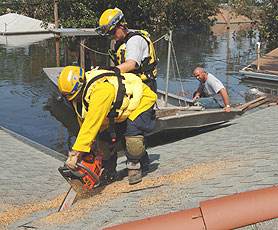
pixel 229 11
pixel 57 50
pixel 112 46
pixel 57 36
pixel 228 46
pixel 227 60
pixel 56 14
pixel 82 53
pixel 259 55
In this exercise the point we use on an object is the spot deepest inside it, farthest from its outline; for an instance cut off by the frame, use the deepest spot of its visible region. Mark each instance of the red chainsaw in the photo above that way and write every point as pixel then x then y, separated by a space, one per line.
pixel 85 176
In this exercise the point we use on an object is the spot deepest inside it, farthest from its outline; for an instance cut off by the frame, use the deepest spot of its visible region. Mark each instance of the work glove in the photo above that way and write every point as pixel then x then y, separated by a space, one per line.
pixel 73 159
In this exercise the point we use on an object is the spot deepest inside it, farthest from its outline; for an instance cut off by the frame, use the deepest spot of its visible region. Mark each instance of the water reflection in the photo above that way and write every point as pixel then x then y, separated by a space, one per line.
pixel 27 106
pixel 65 114
pixel 222 54
pixel 267 87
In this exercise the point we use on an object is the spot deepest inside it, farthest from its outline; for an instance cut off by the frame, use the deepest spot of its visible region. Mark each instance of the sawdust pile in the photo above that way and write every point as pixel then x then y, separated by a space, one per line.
pixel 188 175
pixel 13 213
pixel 101 195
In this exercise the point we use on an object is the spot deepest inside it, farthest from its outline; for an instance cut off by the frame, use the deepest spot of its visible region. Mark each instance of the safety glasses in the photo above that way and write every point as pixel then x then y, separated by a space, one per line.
pixel 112 32
pixel 104 30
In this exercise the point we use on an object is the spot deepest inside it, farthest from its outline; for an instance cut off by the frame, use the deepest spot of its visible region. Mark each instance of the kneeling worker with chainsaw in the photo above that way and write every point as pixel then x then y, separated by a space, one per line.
pixel 106 100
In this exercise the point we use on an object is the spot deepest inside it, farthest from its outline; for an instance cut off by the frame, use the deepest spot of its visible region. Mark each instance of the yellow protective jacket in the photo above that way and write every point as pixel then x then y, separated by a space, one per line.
pixel 99 96
pixel 148 67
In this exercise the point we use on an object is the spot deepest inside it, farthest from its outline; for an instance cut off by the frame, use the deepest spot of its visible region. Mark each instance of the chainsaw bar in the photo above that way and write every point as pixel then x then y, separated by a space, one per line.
pixel 82 179
pixel 68 200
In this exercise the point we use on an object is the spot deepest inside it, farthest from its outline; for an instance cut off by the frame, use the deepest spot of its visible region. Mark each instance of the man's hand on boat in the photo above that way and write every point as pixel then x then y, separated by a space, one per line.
pixel 227 108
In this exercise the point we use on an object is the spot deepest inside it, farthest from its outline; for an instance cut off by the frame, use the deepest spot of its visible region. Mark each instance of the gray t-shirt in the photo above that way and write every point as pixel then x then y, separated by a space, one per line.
pixel 137 49
pixel 212 86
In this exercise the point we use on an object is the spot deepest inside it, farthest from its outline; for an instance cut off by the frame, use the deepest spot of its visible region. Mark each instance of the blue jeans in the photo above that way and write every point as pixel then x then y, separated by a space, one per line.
pixel 208 102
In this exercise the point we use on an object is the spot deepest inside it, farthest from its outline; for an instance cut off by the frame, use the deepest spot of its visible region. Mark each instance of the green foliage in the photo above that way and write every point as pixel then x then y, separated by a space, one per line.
pixel 248 8
pixel 265 13
pixel 269 23
pixel 149 14
pixel 171 14
pixel 30 7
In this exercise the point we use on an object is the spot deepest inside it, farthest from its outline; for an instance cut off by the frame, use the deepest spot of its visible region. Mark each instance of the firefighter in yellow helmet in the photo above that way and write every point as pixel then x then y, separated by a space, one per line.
pixel 110 107
pixel 134 51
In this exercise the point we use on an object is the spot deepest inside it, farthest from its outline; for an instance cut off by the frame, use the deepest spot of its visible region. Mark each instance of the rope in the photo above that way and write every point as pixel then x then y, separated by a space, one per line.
pixel 174 73
pixel 165 35
pixel 86 47
pixel 173 62
pixel 95 51
pixel 178 70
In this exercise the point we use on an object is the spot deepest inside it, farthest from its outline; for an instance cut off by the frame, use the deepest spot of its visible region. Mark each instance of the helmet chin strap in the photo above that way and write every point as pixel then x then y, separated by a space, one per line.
pixel 125 28
pixel 78 96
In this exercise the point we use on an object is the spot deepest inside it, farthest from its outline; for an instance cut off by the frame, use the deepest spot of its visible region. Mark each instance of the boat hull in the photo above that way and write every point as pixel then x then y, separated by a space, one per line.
pixel 179 116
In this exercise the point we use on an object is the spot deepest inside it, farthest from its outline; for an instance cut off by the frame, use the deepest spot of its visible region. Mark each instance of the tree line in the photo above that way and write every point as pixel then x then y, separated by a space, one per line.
pixel 154 15
pixel 265 13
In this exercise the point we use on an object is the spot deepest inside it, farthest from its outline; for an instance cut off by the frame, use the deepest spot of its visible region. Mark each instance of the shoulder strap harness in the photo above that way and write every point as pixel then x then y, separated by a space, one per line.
pixel 119 98
pixel 146 67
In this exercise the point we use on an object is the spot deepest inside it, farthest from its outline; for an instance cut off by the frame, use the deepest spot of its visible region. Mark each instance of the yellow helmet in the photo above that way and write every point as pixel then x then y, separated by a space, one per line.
pixel 71 81
pixel 109 20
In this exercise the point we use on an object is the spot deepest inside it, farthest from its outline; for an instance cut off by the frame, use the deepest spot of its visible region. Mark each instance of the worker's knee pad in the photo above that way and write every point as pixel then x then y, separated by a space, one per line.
pixel 135 146
pixel 105 148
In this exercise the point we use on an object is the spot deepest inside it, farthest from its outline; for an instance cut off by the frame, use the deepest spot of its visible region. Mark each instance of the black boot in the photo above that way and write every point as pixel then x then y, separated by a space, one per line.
pixel 109 173
pixel 145 161
pixel 108 176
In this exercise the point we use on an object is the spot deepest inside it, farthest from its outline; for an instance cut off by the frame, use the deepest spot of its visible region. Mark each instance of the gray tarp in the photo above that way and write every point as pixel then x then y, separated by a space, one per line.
pixel 18 24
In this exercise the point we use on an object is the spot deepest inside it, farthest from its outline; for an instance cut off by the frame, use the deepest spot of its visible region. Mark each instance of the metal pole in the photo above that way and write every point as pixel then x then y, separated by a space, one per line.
pixel 168 68
pixel 259 55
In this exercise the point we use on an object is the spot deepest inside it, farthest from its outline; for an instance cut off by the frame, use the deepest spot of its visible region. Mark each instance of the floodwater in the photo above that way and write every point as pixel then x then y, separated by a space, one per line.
pixel 27 105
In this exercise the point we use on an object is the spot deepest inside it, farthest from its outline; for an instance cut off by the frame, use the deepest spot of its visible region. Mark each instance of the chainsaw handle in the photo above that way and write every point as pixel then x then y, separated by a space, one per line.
pixel 89 171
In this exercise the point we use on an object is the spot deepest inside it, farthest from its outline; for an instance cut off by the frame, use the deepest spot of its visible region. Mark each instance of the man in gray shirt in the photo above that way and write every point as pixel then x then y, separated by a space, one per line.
pixel 134 51
pixel 210 87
